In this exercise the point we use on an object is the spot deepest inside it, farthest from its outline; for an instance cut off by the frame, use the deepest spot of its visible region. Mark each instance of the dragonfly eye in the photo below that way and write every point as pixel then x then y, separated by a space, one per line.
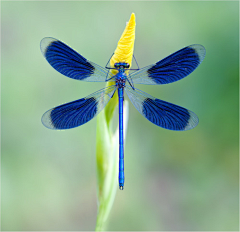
pixel 127 65
pixel 116 65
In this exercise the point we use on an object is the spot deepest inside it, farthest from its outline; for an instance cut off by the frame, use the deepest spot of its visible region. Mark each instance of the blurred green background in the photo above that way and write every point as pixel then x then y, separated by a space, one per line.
pixel 174 180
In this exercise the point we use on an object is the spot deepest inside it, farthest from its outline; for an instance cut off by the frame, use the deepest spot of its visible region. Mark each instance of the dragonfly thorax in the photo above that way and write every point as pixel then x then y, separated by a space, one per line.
pixel 121 75
pixel 121 78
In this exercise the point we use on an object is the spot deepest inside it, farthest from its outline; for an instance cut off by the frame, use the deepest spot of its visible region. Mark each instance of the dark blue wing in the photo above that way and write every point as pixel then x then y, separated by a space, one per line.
pixel 161 113
pixel 172 68
pixel 70 63
pixel 78 112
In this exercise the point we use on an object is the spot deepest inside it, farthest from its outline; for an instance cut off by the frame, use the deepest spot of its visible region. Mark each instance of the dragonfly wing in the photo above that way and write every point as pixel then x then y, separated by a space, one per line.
pixel 78 112
pixel 161 113
pixel 172 68
pixel 70 63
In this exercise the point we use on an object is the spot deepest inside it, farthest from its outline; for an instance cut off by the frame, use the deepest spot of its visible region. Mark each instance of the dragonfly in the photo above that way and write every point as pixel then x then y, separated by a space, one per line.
pixel 161 113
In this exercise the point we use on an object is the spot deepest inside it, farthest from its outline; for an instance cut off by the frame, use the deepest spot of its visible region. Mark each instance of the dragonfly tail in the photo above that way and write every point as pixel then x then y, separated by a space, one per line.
pixel 121 140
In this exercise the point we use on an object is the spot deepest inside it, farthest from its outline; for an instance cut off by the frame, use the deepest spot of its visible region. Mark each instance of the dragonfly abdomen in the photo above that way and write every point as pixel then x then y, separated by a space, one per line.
pixel 121 140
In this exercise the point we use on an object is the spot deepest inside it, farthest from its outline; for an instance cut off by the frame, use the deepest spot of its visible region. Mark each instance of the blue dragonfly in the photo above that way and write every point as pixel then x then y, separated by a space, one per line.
pixel 164 114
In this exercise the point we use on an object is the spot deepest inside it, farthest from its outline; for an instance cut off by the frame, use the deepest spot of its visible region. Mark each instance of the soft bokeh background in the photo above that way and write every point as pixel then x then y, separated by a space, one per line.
pixel 174 180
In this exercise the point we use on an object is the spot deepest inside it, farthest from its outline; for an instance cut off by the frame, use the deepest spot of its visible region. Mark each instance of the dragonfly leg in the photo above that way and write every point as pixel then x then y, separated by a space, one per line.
pixel 108 61
pixel 110 78
pixel 131 84
pixel 136 61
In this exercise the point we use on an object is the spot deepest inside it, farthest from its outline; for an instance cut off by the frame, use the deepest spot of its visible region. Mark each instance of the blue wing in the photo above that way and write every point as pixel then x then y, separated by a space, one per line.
pixel 78 112
pixel 161 113
pixel 172 68
pixel 70 63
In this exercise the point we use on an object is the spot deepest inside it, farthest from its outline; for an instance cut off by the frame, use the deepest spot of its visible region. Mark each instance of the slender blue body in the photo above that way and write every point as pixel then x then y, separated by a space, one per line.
pixel 120 83
pixel 121 140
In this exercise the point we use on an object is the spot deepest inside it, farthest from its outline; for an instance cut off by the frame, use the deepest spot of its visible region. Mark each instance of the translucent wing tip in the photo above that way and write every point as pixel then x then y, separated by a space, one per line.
pixel 192 122
pixel 45 43
pixel 46 120
pixel 200 50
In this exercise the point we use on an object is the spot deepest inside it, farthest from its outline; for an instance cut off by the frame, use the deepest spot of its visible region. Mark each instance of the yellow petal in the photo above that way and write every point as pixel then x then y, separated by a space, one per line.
pixel 124 50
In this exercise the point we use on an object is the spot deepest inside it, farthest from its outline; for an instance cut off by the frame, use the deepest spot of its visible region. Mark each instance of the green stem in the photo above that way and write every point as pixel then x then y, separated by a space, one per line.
pixel 107 165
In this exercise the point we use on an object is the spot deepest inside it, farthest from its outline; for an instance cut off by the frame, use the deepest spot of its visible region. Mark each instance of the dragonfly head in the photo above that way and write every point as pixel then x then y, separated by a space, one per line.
pixel 121 65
